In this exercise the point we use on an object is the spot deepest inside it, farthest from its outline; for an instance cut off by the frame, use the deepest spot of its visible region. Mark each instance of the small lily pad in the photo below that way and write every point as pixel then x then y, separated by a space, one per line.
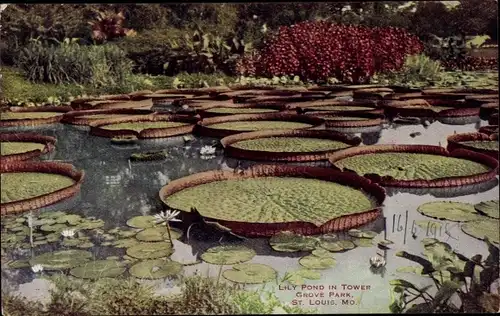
pixel 336 246
pixel 21 231
pixel 53 228
pixel 319 263
pixel 106 244
pixel 429 241
pixel 250 273
pixel 98 269
pixel 124 243
pixel 155 269
pixel 289 242
pixel 53 237
pixel 107 237
pixel 361 234
pixel 113 258
pixel 386 242
pixel 51 214
pixel 123 233
pixel 150 250
pixel 44 221
pixel 71 219
pixel 328 237
pixel 67 242
pixel 19 264
pixel 85 245
pixel 142 221
pixel 158 234
pixel 322 253
pixel 20 220
pixel 483 228
pixel 225 255
pixel 40 242
pixel 489 208
pixel 60 260
pixel 447 210
pixel 12 238
pixel 298 277
pixel 363 242
pixel 90 224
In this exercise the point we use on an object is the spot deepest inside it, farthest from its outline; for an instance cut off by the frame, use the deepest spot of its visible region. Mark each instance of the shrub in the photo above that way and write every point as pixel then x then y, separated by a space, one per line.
pixel 319 50
pixel 69 62
pixel 418 70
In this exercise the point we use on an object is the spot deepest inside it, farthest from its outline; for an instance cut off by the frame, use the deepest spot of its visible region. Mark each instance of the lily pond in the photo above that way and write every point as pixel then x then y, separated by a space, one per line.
pixel 108 228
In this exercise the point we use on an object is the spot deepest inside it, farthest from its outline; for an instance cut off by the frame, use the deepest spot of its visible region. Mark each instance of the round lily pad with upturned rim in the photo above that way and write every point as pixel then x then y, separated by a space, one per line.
pixel 225 255
pixel 159 233
pixel 416 166
pixel 155 269
pixel 150 250
pixel 448 210
pixel 489 208
pixel 98 269
pixel 314 262
pixel 250 273
pixel 287 241
pixel 480 229
pixel 142 221
pixel 60 260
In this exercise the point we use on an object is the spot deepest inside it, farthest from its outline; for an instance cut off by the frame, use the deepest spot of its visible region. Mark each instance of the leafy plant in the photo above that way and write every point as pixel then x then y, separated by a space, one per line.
pixel 109 25
pixel 471 282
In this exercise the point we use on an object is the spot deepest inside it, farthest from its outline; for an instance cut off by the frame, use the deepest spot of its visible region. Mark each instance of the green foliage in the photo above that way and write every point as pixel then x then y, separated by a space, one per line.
pixel 417 70
pixel 69 62
pixel 471 281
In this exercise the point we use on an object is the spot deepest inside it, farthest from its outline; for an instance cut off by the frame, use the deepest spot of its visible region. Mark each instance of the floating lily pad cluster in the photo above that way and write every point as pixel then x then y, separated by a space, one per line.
pixel 479 221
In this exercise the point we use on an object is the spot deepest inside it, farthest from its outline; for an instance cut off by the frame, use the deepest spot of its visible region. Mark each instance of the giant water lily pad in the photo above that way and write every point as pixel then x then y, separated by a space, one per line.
pixel 12 148
pixel 483 228
pixel 158 234
pixel 225 255
pixel 273 200
pixel 317 263
pixel 98 269
pixel 483 144
pixel 289 242
pixel 411 166
pixel 336 246
pixel 298 277
pixel 17 186
pixel 150 250
pixel 259 125
pixel 223 110
pixel 488 208
pixel 27 115
pixel 447 210
pixel 250 273
pixel 142 221
pixel 290 144
pixel 155 269
pixel 139 126
pixel 59 260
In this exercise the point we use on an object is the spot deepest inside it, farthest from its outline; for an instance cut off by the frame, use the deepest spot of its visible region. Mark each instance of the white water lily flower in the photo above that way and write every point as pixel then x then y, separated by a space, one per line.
pixel 68 232
pixel 37 268
pixel 377 262
pixel 185 107
pixel 167 216
pixel 207 150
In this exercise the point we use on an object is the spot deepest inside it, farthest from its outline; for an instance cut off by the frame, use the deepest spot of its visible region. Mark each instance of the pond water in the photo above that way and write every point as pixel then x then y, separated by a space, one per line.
pixel 115 190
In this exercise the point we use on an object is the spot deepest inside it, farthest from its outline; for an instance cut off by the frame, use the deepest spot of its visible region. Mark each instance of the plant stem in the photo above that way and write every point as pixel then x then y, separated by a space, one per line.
pixel 220 272
pixel 169 235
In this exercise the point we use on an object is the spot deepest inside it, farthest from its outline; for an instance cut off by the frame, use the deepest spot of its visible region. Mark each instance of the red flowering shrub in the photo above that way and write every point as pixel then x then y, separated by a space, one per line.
pixel 320 50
